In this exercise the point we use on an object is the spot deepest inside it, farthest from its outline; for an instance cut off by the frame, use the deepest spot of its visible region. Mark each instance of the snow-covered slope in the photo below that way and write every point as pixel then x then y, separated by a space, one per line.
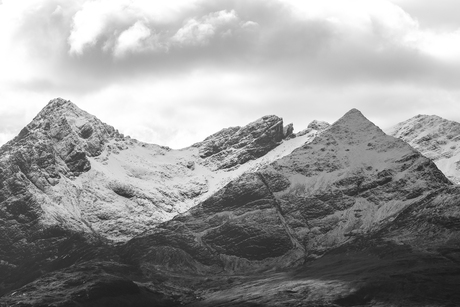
pixel 436 138
pixel 84 175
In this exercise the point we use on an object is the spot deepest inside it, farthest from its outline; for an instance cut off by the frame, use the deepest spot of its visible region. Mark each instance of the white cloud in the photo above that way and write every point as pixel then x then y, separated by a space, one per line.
pixel 201 31
pixel 93 21
pixel 194 33
pixel 388 21
pixel 132 40
pixel 444 46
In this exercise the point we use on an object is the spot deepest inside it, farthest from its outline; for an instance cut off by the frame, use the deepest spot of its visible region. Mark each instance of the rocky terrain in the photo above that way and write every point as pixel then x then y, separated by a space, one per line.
pixel 349 216
pixel 436 138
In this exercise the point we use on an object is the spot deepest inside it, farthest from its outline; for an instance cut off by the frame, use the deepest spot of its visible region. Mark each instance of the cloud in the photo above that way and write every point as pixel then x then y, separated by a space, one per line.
pixel 92 21
pixel 200 32
pixel 185 68
pixel 132 40
pixel 435 15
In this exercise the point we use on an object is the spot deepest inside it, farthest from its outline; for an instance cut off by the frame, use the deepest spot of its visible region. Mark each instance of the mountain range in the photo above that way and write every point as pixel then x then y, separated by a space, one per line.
pixel 334 215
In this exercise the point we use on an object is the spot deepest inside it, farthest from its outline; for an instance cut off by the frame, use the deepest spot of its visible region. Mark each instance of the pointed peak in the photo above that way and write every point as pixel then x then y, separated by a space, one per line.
pixel 353 116
pixel 59 108
pixel 356 125
pixel 60 118
pixel 354 113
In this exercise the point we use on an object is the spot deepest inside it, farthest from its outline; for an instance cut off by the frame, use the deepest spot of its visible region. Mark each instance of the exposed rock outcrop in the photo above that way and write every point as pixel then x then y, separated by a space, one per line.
pixel 315 125
pixel 288 131
pixel 234 146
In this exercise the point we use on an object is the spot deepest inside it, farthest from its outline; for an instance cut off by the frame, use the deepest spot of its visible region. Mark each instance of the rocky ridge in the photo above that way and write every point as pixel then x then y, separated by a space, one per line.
pixel 436 138
pixel 86 176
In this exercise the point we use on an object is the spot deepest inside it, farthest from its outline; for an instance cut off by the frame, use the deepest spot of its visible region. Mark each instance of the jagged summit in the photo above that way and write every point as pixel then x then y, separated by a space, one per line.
pixel 62 107
pixel 425 124
pixel 315 126
pixel 62 115
pixel 58 102
pixel 66 132
pixel 423 116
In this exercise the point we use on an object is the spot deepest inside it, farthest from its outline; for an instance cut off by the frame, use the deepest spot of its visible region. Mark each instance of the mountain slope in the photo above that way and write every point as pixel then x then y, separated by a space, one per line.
pixel 436 138
pixel 352 192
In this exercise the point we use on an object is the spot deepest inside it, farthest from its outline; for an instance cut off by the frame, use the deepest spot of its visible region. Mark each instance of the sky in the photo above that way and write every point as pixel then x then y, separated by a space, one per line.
pixel 173 72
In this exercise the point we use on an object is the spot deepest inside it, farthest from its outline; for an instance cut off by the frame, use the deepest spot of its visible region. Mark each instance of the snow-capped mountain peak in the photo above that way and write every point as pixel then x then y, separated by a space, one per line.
pixel 436 138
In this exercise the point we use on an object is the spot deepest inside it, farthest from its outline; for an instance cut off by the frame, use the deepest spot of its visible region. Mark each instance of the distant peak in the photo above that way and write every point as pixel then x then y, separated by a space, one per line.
pixel 423 120
pixel 421 124
pixel 423 116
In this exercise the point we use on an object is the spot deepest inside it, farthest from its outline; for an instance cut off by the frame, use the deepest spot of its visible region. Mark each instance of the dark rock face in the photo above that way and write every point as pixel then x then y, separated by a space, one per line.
pixel 236 145
pixel 241 221
pixel 249 242
pixel 88 284
pixel 288 131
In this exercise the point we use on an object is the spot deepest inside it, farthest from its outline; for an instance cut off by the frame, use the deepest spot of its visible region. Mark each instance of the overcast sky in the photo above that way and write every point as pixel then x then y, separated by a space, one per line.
pixel 173 72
